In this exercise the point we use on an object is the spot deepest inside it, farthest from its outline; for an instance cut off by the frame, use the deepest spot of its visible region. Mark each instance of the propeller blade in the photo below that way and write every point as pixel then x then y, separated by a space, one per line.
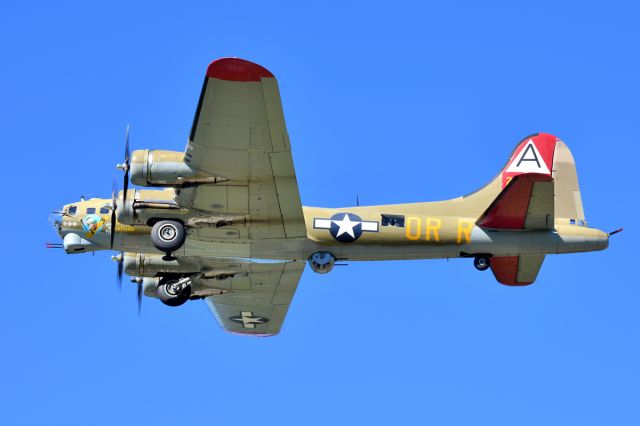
pixel 113 226
pixel 139 295
pixel 126 164
pixel 120 270
pixel 125 187
pixel 114 205
pixel 126 145
pixel 138 281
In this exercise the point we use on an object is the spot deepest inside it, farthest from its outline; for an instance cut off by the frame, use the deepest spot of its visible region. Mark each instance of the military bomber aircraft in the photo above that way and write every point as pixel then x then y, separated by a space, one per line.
pixel 227 224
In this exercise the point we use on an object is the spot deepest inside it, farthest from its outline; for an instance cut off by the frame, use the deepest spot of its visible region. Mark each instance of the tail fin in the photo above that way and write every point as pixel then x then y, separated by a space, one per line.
pixel 543 155
pixel 546 154
pixel 534 154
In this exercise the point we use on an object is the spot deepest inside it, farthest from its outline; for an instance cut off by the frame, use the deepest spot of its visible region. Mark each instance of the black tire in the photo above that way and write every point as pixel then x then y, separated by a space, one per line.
pixel 168 235
pixel 168 296
pixel 482 263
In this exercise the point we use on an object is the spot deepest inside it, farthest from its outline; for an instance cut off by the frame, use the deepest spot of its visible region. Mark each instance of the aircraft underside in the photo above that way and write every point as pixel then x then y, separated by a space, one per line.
pixel 227 224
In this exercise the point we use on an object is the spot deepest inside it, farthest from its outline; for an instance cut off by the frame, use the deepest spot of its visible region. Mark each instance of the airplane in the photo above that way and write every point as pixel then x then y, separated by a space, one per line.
pixel 226 223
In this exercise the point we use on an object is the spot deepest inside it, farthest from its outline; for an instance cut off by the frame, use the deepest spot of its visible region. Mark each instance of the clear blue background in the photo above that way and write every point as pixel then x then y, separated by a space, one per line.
pixel 396 102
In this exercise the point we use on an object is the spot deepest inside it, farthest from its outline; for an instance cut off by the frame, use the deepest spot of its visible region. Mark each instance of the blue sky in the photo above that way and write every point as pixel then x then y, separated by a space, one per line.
pixel 392 101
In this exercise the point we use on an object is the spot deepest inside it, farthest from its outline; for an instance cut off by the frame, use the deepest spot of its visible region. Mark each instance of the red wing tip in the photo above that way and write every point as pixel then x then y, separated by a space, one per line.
pixel 236 69
pixel 240 333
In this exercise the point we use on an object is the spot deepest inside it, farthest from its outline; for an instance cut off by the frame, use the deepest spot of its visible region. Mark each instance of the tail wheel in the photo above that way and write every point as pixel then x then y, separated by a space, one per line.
pixel 168 236
pixel 482 263
pixel 173 291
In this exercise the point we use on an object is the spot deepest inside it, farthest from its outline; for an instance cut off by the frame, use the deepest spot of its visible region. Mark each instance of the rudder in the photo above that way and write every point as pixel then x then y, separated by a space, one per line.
pixel 568 200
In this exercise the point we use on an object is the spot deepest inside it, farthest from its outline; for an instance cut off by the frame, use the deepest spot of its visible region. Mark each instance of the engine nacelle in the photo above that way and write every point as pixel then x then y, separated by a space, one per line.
pixel 165 168
pixel 144 205
pixel 149 286
pixel 150 265
pixel 322 262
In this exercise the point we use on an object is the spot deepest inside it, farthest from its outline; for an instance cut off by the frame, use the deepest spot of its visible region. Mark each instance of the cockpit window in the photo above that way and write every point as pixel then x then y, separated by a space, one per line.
pixel 72 210
pixel 104 210
pixel 91 210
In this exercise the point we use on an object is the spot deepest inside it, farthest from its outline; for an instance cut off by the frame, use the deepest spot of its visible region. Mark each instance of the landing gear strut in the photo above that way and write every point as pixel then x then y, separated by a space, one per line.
pixel 168 236
pixel 174 291
pixel 482 263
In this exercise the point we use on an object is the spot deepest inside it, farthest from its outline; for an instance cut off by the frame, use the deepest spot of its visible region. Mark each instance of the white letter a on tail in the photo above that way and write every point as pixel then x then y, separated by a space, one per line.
pixel 528 160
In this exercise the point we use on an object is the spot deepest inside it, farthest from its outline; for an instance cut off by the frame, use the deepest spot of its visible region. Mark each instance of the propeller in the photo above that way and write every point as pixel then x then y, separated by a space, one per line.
pixel 126 165
pixel 138 281
pixel 120 259
pixel 114 206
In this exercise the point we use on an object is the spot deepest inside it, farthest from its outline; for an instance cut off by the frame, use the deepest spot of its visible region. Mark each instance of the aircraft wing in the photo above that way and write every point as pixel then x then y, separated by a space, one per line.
pixel 259 302
pixel 239 134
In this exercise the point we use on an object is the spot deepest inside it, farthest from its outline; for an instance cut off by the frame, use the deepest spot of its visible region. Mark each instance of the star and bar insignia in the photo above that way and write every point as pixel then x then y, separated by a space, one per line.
pixel 345 227
pixel 248 320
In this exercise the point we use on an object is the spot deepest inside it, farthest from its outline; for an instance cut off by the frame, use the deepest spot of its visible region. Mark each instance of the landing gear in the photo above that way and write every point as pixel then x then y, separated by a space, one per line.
pixel 168 236
pixel 482 263
pixel 174 291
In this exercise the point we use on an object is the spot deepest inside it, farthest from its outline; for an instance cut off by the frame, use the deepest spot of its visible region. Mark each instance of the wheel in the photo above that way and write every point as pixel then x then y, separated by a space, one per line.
pixel 173 293
pixel 482 263
pixel 167 235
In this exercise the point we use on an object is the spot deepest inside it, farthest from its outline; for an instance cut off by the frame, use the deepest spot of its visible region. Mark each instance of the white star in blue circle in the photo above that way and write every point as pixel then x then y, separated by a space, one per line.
pixel 346 227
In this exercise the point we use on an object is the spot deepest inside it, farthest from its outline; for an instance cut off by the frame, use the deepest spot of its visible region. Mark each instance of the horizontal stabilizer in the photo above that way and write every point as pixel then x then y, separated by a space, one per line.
pixel 516 270
pixel 526 202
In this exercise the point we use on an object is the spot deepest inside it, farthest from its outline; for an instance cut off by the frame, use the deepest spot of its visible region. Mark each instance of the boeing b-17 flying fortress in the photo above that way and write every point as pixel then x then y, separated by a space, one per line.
pixel 227 224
